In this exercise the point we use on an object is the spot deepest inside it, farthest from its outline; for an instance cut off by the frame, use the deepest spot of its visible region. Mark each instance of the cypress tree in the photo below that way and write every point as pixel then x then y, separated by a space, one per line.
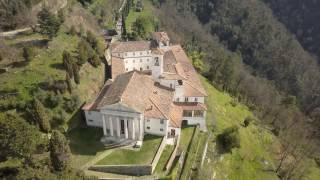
pixel 76 74
pixel 67 62
pixel 49 23
pixel 59 151
pixel 69 84
pixel 41 116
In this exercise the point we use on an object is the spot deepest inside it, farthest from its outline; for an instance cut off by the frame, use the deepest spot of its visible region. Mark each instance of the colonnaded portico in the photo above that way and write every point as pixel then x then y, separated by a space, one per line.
pixel 122 127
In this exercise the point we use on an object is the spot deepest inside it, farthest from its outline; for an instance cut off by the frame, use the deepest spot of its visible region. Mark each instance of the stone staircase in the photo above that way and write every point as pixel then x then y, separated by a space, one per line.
pixel 111 143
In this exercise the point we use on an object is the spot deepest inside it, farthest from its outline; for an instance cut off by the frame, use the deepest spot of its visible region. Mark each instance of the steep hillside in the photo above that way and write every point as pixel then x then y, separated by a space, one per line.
pixel 245 51
pixel 301 18
pixel 44 81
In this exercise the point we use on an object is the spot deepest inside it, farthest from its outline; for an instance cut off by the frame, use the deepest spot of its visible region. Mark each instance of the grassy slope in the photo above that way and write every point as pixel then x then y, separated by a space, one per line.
pixel 256 142
pixel 133 15
pixel 143 156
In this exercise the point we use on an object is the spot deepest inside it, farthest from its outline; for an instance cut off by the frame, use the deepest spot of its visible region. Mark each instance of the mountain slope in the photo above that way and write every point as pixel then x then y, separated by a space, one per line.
pixel 301 18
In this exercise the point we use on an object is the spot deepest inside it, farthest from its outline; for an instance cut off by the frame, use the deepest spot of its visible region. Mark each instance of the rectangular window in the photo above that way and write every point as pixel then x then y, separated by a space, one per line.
pixel 156 59
pixel 148 120
pixel 147 67
pixel 148 127
pixel 186 99
pixel 140 60
pixel 187 113
pixel 140 53
pixel 178 100
pixel 141 69
pixel 90 120
pixel 126 69
pixel 195 99
pixel 198 113
pixel 161 129
pixel 125 54
pixel 134 61
pixel 161 121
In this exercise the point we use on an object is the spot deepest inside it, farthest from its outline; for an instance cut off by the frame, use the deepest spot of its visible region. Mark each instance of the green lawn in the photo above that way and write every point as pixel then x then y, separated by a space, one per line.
pixel 85 144
pixel 146 13
pixel 163 160
pixel 256 142
pixel 143 156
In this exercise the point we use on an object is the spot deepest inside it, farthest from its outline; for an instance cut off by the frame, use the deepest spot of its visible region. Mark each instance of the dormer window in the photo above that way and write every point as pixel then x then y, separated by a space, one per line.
pixel 156 59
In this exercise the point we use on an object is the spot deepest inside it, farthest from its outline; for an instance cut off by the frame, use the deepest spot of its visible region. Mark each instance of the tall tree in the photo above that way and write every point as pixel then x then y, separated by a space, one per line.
pixel 59 151
pixel 49 23
pixel 17 137
pixel 69 84
pixel 67 62
pixel 41 116
pixel 76 73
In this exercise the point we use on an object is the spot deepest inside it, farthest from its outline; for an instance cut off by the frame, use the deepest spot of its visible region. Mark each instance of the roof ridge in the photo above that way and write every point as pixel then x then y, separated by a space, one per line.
pixel 158 108
pixel 190 84
pixel 124 90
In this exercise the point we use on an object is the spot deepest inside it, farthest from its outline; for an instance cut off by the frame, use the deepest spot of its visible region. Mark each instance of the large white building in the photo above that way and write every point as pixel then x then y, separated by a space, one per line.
pixel 154 90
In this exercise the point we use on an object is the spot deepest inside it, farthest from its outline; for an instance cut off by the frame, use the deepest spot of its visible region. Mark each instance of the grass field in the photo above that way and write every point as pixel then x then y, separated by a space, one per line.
pixel 142 156
pixel 145 13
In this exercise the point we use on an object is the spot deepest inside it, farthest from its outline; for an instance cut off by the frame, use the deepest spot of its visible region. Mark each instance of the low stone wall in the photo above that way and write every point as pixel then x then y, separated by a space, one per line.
pixel 136 170
pixel 158 154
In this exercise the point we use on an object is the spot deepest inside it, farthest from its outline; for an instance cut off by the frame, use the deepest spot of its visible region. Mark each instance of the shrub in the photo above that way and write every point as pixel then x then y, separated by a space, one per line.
pixel 247 121
pixel 233 103
pixel 27 53
pixel 41 116
pixel 71 104
pixel 53 100
pixel 60 117
pixel 73 30
pixel 95 60
pixel 229 138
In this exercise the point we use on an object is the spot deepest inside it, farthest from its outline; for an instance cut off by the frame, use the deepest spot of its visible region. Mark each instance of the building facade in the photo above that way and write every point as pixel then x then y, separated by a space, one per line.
pixel 154 90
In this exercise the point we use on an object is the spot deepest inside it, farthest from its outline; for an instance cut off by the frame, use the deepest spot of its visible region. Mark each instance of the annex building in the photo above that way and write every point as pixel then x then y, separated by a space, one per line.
pixel 154 90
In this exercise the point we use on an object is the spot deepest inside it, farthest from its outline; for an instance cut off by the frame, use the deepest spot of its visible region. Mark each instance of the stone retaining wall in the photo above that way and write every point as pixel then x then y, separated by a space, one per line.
pixel 173 154
pixel 158 154
pixel 136 170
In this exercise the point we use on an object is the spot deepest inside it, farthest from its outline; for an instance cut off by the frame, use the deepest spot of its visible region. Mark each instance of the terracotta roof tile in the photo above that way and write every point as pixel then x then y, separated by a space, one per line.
pixel 161 36
pixel 130 46
pixel 117 66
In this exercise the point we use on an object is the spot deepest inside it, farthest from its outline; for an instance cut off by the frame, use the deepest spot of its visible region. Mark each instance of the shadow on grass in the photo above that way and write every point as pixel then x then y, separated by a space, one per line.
pixel 84 140
pixel 57 66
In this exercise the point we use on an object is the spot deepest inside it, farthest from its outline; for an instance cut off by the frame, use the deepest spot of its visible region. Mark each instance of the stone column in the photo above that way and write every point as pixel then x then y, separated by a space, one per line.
pixel 104 125
pixel 111 125
pixel 126 128
pixel 118 126
pixel 133 129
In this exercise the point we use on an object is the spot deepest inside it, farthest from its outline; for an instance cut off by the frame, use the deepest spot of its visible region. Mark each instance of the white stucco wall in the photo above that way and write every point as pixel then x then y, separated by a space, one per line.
pixel 155 126
pixel 93 118
pixel 201 121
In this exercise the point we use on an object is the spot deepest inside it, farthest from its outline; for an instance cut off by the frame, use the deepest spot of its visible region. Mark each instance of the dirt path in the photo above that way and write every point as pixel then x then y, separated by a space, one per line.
pixel 21 30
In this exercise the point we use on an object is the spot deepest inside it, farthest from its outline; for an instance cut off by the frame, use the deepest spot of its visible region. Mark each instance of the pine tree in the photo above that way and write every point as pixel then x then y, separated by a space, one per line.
pixel 67 62
pixel 69 84
pixel 76 73
pixel 41 116
pixel 49 23
pixel 59 151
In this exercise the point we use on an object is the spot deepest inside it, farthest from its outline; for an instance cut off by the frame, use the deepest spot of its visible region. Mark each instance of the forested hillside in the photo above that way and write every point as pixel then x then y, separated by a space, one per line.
pixel 46 74
pixel 302 18
pixel 249 53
